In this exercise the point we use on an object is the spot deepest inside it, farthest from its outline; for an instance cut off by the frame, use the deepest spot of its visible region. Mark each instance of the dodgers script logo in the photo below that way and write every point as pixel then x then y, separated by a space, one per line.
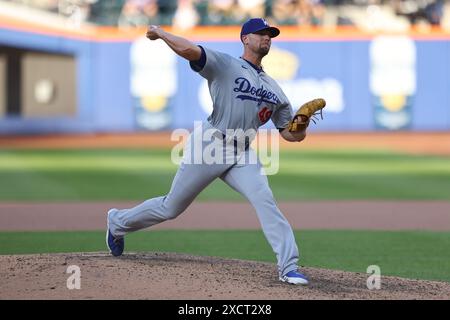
pixel 260 95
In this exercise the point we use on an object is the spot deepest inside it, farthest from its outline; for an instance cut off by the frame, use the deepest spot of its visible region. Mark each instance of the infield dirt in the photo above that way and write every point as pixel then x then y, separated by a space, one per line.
pixel 178 276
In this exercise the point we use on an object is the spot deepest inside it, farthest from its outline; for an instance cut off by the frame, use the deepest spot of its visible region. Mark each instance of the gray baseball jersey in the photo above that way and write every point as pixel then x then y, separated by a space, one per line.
pixel 244 97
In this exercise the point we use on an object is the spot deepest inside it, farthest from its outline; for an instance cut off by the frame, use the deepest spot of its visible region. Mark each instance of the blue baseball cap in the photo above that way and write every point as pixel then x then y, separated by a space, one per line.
pixel 258 24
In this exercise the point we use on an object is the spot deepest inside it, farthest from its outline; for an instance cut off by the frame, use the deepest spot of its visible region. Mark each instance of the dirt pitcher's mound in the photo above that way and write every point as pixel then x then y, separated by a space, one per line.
pixel 179 276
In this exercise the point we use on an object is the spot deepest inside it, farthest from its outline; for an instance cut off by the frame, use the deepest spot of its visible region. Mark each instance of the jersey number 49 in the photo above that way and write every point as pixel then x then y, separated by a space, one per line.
pixel 264 115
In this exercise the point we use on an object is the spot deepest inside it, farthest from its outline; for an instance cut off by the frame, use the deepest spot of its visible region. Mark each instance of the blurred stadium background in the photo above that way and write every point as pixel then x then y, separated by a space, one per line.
pixel 83 68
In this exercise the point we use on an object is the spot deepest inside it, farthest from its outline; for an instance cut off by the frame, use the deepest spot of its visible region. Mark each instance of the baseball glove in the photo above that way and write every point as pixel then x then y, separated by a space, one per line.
pixel 305 113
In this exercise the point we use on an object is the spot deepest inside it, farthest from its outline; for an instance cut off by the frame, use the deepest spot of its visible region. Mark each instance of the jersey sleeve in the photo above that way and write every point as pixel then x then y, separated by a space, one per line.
pixel 282 116
pixel 198 65
pixel 211 63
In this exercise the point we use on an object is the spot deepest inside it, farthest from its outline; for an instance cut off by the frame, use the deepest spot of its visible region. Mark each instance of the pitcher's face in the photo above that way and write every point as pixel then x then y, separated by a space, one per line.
pixel 259 42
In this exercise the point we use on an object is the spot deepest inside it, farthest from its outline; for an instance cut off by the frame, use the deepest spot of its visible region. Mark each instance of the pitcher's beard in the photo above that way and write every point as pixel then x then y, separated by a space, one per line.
pixel 264 50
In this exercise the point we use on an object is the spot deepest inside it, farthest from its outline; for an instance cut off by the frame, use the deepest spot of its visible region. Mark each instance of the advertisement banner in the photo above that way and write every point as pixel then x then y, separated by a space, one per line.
pixel 153 83
pixel 393 81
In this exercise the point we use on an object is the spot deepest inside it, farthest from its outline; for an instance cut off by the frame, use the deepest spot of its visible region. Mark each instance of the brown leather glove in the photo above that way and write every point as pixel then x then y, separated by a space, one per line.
pixel 305 112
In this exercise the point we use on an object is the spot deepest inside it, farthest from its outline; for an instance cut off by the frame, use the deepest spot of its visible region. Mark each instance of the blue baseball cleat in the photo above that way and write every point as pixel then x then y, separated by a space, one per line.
pixel 115 244
pixel 294 277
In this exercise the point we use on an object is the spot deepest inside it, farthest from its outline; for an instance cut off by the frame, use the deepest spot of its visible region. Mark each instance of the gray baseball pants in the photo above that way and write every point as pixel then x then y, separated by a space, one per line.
pixel 243 176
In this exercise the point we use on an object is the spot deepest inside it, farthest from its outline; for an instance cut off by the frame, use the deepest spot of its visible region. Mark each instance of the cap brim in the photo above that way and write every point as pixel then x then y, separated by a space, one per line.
pixel 273 31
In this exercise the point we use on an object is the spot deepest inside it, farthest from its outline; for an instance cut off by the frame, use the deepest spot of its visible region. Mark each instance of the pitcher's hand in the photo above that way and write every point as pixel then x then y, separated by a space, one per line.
pixel 153 32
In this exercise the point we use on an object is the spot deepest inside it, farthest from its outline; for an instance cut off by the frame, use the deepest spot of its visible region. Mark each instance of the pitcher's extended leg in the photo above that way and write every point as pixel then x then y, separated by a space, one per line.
pixel 247 180
pixel 189 181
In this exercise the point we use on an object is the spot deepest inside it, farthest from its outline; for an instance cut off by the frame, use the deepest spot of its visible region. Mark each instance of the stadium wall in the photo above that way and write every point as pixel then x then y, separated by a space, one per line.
pixel 126 83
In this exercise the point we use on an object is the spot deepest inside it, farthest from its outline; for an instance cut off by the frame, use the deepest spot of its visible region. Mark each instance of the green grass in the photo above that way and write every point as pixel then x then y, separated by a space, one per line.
pixel 71 175
pixel 410 254
pixel 63 175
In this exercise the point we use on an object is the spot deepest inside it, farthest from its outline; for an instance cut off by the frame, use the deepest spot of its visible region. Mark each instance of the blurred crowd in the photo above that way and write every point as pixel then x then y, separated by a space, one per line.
pixel 189 13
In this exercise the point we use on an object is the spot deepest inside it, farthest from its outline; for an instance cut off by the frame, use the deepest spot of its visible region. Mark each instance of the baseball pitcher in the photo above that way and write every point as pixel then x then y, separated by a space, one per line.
pixel 244 98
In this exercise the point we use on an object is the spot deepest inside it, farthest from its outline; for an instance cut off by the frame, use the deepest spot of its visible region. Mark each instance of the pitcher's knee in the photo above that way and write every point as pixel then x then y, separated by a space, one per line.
pixel 173 212
pixel 174 207
pixel 172 215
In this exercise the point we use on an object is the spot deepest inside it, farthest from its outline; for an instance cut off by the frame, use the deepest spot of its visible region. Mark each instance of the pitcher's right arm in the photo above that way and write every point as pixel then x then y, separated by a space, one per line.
pixel 181 46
